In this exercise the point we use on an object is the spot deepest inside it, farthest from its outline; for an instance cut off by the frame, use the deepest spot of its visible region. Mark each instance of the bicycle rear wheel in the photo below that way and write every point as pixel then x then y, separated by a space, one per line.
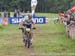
pixel 29 43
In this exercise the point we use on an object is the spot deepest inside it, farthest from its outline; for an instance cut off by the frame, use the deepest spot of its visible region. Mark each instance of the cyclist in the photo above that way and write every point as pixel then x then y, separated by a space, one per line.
pixel 29 23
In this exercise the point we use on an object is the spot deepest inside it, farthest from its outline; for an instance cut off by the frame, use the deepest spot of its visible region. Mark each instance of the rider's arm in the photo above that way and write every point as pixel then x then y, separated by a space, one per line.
pixel 33 24
pixel 21 24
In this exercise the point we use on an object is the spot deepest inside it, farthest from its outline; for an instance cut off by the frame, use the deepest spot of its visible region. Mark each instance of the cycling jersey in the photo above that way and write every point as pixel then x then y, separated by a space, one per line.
pixel 27 22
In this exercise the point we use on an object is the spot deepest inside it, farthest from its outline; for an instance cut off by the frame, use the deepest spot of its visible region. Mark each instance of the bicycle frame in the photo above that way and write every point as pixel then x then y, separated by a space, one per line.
pixel 28 38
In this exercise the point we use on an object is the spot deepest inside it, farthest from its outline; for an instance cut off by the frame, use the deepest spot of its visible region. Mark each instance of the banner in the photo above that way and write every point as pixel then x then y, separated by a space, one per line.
pixel 0 21
pixel 17 20
pixel 37 20
pixel 14 20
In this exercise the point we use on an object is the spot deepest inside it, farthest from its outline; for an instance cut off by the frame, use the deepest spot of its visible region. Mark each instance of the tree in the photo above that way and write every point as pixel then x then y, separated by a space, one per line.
pixel 43 5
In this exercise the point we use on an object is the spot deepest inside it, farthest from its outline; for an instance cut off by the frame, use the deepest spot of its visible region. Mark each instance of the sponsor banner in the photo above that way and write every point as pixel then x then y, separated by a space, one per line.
pixel 0 21
pixel 37 20
pixel 14 20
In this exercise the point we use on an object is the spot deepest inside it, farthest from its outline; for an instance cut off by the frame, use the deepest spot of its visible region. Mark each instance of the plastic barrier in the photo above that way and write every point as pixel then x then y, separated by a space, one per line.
pixel 5 21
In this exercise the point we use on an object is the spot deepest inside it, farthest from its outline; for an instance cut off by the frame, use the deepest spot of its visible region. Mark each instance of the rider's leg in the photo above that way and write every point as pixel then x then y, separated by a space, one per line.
pixel 22 30
pixel 24 35
pixel 31 35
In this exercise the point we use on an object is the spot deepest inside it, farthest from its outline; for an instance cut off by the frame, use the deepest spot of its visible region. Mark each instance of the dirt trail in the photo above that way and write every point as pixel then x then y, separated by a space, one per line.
pixel 31 51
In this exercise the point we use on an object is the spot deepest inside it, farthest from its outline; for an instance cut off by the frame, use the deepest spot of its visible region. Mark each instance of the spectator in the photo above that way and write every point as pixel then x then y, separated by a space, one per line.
pixel 0 15
pixel 28 13
pixel 5 13
pixel 18 13
pixel 23 14
pixel 15 13
pixel 8 14
pixel 72 20
pixel 65 18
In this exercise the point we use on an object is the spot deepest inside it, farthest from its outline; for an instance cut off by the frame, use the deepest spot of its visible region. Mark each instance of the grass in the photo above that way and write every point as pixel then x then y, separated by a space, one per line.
pixel 49 40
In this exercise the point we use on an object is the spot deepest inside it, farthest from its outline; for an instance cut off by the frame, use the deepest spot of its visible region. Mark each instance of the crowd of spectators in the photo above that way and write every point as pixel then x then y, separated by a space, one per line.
pixel 16 13
pixel 68 19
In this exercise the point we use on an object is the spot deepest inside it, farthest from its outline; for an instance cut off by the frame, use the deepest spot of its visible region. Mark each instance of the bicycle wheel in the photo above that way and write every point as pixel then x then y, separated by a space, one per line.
pixel 25 43
pixel 25 39
pixel 28 40
pixel 29 43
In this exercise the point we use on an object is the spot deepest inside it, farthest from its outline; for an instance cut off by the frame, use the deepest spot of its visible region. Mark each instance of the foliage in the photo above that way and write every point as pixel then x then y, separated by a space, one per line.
pixel 43 5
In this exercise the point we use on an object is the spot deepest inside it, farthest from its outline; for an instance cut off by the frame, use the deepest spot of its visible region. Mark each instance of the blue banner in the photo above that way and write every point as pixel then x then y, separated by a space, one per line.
pixel 15 20
pixel 40 20
pixel 0 20
pixel 37 20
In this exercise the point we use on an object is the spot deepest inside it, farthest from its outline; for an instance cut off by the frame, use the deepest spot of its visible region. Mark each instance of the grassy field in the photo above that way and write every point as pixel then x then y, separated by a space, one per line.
pixel 49 40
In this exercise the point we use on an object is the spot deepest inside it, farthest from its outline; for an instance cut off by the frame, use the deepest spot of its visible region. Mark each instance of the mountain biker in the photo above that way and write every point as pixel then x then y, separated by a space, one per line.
pixel 26 22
